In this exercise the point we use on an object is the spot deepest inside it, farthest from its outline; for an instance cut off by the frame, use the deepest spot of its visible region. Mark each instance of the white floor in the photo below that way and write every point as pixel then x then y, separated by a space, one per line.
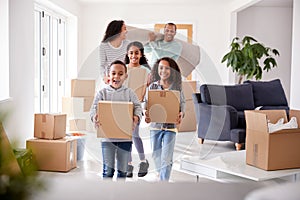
pixel 85 180
pixel 186 145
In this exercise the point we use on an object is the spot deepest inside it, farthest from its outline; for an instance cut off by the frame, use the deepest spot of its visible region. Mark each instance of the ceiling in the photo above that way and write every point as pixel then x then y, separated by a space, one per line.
pixel 152 1
pixel 279 3
pixel 284 3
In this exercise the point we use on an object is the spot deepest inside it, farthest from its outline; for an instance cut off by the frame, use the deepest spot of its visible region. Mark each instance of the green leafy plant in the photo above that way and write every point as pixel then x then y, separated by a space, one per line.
pixel 244 58
pixel 17 181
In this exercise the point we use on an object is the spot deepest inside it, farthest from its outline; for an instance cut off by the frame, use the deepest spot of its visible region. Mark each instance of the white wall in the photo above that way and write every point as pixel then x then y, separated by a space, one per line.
pixel 273 27
pixel 211 21
pixel 295 71
pixel 20 123
pixel 4 50
pixel 21 59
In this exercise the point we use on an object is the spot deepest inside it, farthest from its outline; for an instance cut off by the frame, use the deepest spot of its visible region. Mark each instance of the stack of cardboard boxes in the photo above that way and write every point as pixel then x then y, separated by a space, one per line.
pixel 51 149
pixel 78 104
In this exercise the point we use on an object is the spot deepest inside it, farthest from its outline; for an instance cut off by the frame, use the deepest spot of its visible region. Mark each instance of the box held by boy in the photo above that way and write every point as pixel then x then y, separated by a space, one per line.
pixel 116 119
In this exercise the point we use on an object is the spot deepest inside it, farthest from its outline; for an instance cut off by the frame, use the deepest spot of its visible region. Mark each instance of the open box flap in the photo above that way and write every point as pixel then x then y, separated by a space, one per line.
pixel 256 121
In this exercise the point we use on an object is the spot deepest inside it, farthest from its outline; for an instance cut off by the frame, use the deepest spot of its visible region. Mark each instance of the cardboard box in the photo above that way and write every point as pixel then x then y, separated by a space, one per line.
pixel 50 125
pixel 189 87
pixel 163 105
pixel 82 88
pixel 116 119
pixel 137 80
pixel 77 124
pixel 54 155
pixel 271 151
pixel 76 106
pixel 189 122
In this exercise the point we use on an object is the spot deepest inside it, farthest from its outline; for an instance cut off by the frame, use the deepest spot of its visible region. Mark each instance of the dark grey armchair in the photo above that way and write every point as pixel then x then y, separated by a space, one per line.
pixel 220 108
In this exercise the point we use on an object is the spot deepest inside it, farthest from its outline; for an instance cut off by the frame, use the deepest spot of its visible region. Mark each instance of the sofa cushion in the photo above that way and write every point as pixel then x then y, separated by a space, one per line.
pixel 238 96
pixel 268 93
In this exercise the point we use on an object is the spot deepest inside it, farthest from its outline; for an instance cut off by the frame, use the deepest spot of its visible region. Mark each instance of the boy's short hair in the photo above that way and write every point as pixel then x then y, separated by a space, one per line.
pixel 116 62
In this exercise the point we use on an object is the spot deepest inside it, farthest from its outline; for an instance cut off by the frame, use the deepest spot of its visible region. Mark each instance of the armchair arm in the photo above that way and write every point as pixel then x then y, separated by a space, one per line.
pixel 196 98
pixel 216 121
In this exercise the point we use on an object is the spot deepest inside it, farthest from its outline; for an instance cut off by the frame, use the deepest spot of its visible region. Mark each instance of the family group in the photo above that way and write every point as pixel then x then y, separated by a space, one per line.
pixel 118 55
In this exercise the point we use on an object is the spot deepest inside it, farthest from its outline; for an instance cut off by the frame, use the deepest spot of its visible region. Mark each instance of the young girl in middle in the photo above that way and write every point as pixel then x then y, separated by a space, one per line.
pixel 135 58
pixel 165 75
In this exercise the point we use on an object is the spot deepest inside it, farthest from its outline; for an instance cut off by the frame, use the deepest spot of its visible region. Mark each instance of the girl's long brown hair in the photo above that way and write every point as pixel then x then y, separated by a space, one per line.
pixel 175 76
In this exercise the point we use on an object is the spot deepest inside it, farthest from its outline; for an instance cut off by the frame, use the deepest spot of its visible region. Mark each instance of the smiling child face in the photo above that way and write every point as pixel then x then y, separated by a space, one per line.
pixel 134 55
pixel 164 70
pixel 117 75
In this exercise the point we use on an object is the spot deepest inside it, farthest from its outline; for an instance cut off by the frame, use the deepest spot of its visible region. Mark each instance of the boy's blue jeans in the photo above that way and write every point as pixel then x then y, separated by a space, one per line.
pixel 112 151
pixel 163 142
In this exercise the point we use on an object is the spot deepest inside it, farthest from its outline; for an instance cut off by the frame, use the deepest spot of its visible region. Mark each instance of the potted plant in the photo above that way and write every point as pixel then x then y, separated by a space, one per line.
pixel 19 179
pixel 250 58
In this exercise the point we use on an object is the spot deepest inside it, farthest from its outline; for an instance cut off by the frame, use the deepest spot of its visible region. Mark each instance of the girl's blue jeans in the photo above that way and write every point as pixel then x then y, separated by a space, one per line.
pixel 162 143
pixel 115 151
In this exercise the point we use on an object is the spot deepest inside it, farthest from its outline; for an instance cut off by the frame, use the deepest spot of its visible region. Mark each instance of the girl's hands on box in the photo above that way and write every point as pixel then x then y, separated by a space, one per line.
pixel 147 118
pixel 179 118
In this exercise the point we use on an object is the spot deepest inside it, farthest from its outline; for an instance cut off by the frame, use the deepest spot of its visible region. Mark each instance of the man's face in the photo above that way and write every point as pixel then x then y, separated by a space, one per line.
pixel 169 33
pixel 117 75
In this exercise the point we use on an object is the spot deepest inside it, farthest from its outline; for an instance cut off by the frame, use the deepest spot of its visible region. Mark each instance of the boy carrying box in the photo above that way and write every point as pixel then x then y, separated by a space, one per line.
pixel 113 148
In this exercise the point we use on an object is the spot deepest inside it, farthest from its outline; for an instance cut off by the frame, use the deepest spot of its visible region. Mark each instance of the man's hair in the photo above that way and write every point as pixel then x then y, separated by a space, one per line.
pixel 171 24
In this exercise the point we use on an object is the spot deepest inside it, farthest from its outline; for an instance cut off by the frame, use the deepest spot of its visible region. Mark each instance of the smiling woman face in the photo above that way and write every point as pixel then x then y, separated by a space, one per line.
pixel 117 75
pixel 123 32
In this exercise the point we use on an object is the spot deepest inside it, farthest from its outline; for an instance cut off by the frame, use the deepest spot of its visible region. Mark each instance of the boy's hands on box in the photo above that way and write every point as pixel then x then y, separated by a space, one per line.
pixel 136 120
pixel 96 121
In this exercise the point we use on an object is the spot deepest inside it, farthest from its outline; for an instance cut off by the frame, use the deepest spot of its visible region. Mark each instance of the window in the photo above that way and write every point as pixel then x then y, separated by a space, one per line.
pixel 50 60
